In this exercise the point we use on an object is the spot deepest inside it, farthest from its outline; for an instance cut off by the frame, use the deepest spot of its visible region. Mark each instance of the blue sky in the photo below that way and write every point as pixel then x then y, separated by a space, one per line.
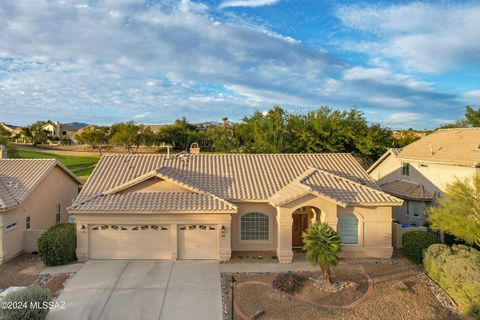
pixel 404 64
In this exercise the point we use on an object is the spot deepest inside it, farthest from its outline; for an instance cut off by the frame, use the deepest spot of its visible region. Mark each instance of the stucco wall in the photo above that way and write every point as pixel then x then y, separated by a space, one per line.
pixel 57 187
pixel 433 176
pixel 247 207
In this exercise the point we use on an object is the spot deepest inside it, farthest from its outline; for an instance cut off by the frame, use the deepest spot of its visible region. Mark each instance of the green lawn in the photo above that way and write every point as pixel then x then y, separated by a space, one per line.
pixel 81 166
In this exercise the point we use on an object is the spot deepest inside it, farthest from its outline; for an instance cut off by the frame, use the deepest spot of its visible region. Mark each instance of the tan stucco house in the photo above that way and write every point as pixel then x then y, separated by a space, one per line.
pixel 204 206
pixel 60 130
pixel 34 195
pixel 420 172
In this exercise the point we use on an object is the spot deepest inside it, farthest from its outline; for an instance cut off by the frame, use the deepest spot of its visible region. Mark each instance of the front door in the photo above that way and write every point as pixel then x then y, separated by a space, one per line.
pixel 300 224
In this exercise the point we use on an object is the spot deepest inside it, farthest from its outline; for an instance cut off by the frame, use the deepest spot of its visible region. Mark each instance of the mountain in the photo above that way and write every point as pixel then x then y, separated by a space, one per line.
pixel 78 125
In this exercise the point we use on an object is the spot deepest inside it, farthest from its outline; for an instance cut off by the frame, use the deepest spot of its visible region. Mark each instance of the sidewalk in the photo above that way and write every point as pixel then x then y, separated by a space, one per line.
pixel 266 267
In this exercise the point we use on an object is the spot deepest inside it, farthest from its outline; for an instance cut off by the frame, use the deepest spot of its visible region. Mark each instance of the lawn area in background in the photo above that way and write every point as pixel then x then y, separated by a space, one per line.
pixel 81 166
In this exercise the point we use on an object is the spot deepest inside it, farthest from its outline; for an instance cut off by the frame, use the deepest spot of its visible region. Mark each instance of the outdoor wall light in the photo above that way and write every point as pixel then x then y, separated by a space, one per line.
pixel 83 229
pixel 223 231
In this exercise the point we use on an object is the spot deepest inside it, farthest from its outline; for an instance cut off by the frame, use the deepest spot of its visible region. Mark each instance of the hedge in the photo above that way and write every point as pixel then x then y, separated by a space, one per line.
pixel 415 242
pixel 57 245
pixel 28 303
pixel 457 270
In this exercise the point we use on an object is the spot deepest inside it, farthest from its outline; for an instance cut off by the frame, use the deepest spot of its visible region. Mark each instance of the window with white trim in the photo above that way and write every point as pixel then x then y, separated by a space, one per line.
pixel 405 169
pixel 254 226
pixel 11 226
pixel 28 223
pixel 348 228
pixel 58 215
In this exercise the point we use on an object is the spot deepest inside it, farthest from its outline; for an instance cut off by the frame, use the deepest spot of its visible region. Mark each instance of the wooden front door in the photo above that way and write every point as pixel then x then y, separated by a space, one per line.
pixel 300 224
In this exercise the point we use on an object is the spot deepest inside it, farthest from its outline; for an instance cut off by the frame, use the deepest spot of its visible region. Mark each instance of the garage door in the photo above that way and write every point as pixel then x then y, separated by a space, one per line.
pixel 130 242
pixel 197 242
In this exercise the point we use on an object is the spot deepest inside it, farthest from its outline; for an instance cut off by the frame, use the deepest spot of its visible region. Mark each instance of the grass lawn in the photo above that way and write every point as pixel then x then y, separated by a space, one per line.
pixel 81 166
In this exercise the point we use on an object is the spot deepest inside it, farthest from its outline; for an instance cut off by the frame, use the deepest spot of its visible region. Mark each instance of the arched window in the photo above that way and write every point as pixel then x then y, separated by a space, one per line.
pixel 348 229
pixel 254 226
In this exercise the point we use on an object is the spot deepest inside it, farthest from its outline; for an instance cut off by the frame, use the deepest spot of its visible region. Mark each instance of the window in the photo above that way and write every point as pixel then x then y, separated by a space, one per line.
pixel 414 209
pixel 348 229
pixel 27 222
pixel 58 215
pixel 254 226
pixel 11 226
pixel 405 169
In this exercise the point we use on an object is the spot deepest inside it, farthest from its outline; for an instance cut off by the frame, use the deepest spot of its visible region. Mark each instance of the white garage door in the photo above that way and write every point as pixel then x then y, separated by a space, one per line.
pixel 130 242
pixel 197 242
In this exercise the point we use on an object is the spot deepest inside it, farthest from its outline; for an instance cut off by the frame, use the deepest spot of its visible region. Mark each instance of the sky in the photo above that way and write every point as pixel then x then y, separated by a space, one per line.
pixel 403 63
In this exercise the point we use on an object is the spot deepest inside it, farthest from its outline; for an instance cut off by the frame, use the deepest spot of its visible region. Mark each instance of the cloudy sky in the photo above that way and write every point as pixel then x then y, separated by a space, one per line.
pixel 404 64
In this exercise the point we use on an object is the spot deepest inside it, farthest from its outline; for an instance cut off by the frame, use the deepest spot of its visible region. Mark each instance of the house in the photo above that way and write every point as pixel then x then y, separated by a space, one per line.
pixel 34 195
pixel 14 130
pixel 60 131
pixel 420 172
pixel 203 206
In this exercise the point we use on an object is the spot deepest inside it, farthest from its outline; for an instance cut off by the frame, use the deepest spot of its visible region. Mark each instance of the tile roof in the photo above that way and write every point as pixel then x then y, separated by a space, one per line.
pixel 407 190
pixel 229 177
pixel 458 146
pixel 345 191
pixel 155 202
pixel 19 177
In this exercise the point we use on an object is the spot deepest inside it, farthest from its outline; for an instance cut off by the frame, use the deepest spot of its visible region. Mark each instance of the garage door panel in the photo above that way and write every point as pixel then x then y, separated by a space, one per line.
pixel 130 242
pixel 197 242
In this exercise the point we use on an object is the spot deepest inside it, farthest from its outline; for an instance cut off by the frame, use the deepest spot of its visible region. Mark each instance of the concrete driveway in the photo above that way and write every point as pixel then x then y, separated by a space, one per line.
pixel 143 289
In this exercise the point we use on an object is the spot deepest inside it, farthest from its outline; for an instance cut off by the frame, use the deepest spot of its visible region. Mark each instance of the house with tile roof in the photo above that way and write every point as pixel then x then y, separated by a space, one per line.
pixel 204 206
pixel 419 172
pixel 34 195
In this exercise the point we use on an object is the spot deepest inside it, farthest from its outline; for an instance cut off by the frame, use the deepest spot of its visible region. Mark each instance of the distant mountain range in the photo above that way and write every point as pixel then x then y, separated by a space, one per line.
pixel 78 125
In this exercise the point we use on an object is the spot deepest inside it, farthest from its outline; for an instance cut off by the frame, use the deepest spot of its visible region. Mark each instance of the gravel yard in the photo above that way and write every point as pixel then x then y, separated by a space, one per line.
pixel 24 271
pixel 400 291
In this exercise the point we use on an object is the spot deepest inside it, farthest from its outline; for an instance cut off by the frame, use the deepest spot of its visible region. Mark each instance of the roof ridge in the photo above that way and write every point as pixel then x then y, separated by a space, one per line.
pixel 194 188
pixel 354 182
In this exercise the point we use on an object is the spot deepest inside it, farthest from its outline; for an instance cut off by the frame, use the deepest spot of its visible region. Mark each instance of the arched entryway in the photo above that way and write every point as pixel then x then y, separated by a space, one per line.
pixel 302 218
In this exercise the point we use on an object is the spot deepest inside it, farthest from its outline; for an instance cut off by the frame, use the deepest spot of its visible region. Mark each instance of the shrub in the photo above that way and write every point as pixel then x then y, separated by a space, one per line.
pixel 57 245
pixel 415 242
pixel 287 282
pixel 457 270
pixel 21 304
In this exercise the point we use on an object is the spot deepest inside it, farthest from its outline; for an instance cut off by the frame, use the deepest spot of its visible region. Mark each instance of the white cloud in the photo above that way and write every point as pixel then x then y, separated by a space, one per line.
pixel 428 37
pixel 473 96
pixel 247 3
pixel 403 120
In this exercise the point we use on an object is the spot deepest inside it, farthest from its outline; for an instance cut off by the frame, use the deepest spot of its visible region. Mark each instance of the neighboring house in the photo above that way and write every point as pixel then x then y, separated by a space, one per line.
pixel 14 130
pixel 60 131
pixel 195 206
pixel 34 195
pixel 420 172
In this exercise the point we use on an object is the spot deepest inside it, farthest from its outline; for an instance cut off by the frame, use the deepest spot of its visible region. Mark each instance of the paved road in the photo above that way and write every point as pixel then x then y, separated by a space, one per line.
pixel 143 290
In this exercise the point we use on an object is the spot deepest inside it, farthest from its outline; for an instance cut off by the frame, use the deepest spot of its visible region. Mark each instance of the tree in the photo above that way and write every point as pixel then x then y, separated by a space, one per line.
pixel 94 136
pixel 472 116
pixel 181 134
pixel 126 134
pixel 36 133
pixel 322 244
pixel 458 212
pixel 4 133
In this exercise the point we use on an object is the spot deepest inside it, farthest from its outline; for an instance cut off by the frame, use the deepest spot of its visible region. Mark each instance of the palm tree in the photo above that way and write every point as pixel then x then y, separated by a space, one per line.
pixel 322 244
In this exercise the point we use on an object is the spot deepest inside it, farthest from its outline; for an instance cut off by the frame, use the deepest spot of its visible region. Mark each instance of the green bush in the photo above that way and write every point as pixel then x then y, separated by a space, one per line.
pixel 457 270
pixel 415 242
pixel 29 303
pixel 57 245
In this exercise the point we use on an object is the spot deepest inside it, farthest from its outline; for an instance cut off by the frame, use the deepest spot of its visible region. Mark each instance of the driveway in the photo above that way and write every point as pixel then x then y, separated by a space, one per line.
pixel 142 289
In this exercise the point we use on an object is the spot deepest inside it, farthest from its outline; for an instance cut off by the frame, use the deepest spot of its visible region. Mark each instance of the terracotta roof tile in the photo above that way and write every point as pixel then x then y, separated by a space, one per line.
pixel 154 202
pixel 19 177
pixel 449 146
pixel 232 177
pixel 407 190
